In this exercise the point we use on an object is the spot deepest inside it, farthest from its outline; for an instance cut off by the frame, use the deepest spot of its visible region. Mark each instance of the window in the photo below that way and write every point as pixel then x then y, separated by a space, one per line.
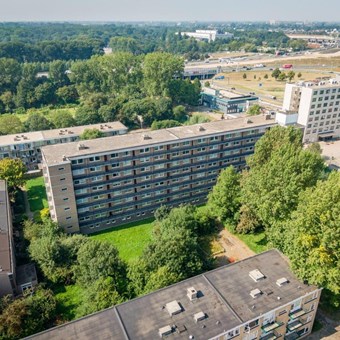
pixel 63 189
pixel 67 208
pixel 65 199
pixel 94 159
pixel 77 161
pixel 62 179
pixel 60 169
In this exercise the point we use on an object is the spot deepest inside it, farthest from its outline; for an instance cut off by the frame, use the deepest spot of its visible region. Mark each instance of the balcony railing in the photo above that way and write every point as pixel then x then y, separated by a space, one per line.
pixel 270 336
pixel 294 325
pixel 270 327
pixel 296 314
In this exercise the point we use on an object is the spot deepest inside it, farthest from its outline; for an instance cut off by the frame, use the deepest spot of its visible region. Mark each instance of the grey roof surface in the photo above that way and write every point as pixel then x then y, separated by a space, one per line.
pixel 223 297
pixel 6 260
pixel 37 136
pixel 143 317
pixel 102 325
pixel 54 153
pixel 234 284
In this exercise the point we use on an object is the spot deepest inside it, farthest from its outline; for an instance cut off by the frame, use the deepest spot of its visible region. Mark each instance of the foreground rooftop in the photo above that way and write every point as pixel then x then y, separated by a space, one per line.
pixel 222 301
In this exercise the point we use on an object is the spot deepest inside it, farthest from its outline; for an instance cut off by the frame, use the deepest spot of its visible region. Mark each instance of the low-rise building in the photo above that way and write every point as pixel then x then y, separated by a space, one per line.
pixel 106 182
pixel 256 298
pixel 226 101
pixel 27 146
pixel 209 35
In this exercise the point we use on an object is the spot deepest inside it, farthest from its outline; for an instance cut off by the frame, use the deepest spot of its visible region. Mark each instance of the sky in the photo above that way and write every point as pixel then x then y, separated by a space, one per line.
pixel 169 10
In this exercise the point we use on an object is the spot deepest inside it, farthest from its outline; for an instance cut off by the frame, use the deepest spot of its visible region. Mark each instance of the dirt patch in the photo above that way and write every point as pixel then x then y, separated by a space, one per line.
pixel 234 249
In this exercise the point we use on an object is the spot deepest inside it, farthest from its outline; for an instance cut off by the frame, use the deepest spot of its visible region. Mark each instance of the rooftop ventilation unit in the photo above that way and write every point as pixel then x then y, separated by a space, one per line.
pixel 164 331
pixel 199 316
pixel 173 308
pixel 146 137
pixel 191 293
pixel 248 121
pixel 201 128
pixel 282 281
pixel 81 146
pixel 256 275
pixel 255 293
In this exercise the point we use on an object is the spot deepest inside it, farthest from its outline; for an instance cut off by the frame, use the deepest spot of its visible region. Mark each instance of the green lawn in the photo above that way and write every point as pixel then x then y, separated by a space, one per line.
pixel 69 298
pixel 36 194
pixel 256 242
pixel 130 239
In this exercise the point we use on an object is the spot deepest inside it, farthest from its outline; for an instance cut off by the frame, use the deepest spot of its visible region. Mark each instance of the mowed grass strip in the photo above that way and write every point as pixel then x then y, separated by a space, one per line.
pixel 36 194
pixel 130 239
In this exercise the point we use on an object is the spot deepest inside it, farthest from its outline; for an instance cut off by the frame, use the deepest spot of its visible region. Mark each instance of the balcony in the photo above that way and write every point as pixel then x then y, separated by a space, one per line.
pixel 296 314
pixel 270 336
pixel 271 326
pixel 295 335
pixel 294 325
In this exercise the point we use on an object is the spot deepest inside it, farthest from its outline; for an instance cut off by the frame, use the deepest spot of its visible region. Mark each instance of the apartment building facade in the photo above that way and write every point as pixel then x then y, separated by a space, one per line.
pixel 258 298
pixel 318 107
pixel 27 146
pixel 106 182
pixel 7 257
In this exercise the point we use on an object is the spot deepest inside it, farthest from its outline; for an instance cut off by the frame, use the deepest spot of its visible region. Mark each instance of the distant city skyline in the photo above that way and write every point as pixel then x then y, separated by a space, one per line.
pixel 165 10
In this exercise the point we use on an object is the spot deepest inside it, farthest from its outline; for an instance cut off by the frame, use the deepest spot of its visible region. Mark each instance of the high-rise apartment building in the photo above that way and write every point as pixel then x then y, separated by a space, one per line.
pixel 258 298
pixel 27 146
pixel 318 107
pixel 97 184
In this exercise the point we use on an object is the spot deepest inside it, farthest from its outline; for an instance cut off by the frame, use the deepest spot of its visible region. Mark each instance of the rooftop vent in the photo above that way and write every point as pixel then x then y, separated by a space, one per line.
pixel 255 293
pixel 70 132
pixel 268 116
pixel 191 293
pixel 145 136
pixel 199 316
pixel 282 281
pixel 256 275
pixel 248 121
pixel 173 308
pixel 64 158
pixel 164 331
pixel 201 128
pixel 81 146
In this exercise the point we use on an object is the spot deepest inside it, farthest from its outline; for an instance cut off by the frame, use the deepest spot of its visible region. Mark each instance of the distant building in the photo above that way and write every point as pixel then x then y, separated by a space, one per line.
pixel 106 182
pixel 226 101
pixel 318 107
pixel 257 298
pixel 27 146
pixel 210 35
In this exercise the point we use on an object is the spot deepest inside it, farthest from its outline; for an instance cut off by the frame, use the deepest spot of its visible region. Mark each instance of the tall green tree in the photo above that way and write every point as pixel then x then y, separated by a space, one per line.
pixel 13 171
pixel 63 119
pixel 224 199
pixel 312 235
pixel 91 134
pixel 10 124
pixel 38 122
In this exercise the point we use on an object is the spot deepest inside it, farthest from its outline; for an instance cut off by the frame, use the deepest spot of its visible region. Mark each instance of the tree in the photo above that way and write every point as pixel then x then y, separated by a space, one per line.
pixel 224 199
pixel 164 124
pixel 197 119
pixel 91 134
pixel 37 122
pixel 312 235
pixel 13 171
pixel 276 73
pixel 280 170
pixel 86 116
pixel 254 110
pixel 28 315
pixel 180 113
pixel 10 124
pixel 162 212
pixel 244 76
pixel 67 94
pixel 159 71
pixel 63 119
pixel 207 84
pixel 282 76
pixel 98 259
pixel 266 76
pixel 299 75
pixel 99 295
pixel 291 75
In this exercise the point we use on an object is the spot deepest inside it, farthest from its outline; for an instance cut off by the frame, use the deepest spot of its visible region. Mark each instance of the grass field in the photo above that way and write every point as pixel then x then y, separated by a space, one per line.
pixel 47 112
pixel 69 298
pixel 36 194
pixel 130 239
pixel 269 87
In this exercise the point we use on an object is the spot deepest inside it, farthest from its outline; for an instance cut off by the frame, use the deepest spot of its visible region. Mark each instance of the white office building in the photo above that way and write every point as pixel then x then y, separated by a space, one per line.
pixel 318 107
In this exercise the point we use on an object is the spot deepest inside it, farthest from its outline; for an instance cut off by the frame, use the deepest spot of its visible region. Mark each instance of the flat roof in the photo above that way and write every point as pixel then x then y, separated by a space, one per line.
pixel 54 154
pixel 223 297
pixel 6 260
pixel 36 136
